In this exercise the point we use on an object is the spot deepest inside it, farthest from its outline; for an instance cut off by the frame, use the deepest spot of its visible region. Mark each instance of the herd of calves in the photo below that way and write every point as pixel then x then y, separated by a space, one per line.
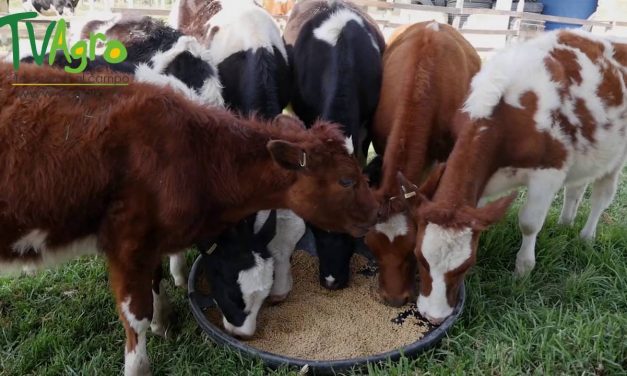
pixel 195 151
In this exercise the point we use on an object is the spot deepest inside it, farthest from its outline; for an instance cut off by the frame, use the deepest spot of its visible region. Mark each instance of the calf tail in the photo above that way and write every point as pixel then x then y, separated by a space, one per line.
pixel 270 85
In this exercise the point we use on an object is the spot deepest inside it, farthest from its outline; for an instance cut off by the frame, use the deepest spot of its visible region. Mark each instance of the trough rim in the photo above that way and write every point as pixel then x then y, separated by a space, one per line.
pixel 315 367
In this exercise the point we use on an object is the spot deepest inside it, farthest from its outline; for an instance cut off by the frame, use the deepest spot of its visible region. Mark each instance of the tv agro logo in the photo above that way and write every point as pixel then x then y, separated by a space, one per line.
pixel 83 50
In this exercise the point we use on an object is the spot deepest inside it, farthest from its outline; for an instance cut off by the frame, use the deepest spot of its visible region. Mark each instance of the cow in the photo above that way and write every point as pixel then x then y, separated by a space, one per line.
pixel 426 75
pixel 139 172
pixel 157 54
pixel 251 262
pixel 246 45
pixel 51 7
pixel 335 55
pixel 545 114
pixel 160 54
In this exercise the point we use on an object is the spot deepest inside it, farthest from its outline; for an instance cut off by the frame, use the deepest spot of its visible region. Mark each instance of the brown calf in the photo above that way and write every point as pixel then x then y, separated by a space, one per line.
pixel 426 74
pixel 545 114
pixel 139 172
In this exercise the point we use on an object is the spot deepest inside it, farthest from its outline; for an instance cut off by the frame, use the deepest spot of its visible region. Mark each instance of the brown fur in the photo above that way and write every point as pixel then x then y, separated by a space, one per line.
pixel 425 79
pixel 194 15
pixel 150 173
pixel 478 155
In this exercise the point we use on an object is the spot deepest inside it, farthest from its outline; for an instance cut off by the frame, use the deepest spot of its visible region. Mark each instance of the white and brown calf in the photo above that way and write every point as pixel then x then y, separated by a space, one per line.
pixel 545 114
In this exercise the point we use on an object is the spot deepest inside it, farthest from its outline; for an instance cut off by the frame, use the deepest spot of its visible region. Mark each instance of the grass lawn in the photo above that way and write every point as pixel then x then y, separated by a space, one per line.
pixel 568 317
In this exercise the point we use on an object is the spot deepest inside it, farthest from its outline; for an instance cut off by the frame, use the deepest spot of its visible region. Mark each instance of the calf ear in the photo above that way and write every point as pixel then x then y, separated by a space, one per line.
pixel 286 121
pixel 287 155
pixel 491 213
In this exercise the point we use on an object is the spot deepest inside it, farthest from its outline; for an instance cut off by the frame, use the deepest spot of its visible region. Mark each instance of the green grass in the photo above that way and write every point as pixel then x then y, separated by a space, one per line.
pixel 568 317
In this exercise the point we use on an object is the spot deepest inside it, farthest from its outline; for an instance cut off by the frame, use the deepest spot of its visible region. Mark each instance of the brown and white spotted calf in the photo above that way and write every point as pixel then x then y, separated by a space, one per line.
pixel 545 114
pixel 139 172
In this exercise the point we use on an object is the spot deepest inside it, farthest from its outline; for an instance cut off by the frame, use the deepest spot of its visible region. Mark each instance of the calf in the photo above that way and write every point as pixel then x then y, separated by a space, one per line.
pixel 426 75
pixel 161 55
pixel 240 270
pixel 50 7
pixel 335 53
pixel 81 172
pixel 246 45
pixel 547 113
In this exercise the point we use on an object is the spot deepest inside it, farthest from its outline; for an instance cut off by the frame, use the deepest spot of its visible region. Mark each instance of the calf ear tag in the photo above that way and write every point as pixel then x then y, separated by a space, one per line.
pixel 408 194
pixel 212 248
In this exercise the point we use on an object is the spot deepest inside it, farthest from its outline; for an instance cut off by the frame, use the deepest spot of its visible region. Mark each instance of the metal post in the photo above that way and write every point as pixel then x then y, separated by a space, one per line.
pixel 457 20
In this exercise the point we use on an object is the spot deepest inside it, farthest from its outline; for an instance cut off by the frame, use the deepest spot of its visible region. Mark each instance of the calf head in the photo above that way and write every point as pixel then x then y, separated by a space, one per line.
pixel 334 253
pixel 240 273
pixel 392 242
pixel 446 247
pixel 329 189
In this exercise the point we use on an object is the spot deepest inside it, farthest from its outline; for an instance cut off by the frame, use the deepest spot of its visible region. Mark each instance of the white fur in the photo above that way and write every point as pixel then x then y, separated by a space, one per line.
pixel 36 239
pixel 178 269
pixel 255 285
pixel 433 26
pixel 348 144
pixel 173 17
pixel 395 226
pixel 290 228
pixel 445 250
pixel 243 26
pixel 330 280
pixel 136 362
pixel 522 68
pixel 211 91
pixel 331 29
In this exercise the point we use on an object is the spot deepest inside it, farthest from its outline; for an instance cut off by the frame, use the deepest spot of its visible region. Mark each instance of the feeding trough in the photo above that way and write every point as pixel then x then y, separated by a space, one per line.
pixel 203 307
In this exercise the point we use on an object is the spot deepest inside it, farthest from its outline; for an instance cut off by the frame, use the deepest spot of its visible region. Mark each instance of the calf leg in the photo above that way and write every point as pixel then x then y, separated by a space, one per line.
pixel 131 283
pixel 603 191
pixel 161 306
pixel 178 269
pixel 542 189
pixel 282 277
pixel 572 199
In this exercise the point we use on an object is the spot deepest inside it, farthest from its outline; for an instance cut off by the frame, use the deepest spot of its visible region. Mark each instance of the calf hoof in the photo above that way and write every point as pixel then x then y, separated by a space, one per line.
pixel 565 221
pixel 587 235
pixel 524 267
pixel 159 329
pixel 276 299
pixel 136 365
pixel 180 282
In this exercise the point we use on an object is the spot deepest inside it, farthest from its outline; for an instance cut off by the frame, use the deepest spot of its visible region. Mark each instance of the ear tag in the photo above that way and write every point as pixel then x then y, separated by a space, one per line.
pixel 303 160
pixel 212 249
pixel 407 195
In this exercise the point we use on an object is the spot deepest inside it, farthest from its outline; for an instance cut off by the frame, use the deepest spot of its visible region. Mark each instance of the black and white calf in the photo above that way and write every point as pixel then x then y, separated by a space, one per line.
pixel 243 263
pixel 245 43
pixel 50 7
pixel 335 54
pixel 157 54
pixel 161 55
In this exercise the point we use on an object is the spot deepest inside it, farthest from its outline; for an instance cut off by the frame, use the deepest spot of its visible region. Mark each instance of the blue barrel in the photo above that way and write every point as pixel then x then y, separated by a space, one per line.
pixel 571 8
